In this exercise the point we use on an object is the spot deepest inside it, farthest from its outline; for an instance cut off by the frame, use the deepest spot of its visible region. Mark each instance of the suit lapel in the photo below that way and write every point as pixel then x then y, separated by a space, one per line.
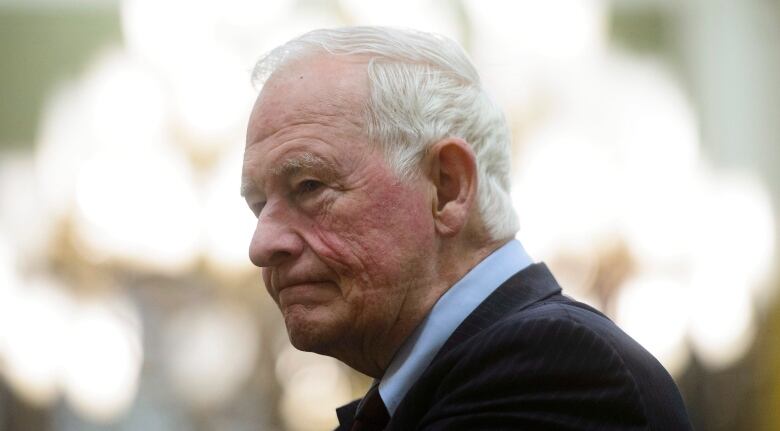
pixel 531 285
pixel 346 415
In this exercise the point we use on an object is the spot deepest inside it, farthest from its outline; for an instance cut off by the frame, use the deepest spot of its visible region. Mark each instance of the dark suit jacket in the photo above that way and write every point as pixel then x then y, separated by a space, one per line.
pixel 529 358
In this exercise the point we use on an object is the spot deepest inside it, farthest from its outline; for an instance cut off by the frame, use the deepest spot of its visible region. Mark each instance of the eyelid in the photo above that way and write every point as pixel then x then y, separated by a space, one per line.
pixel 308 179
pixel 299 185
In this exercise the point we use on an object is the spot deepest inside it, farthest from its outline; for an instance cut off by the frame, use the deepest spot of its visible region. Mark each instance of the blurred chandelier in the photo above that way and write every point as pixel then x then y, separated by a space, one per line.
pixel 138 165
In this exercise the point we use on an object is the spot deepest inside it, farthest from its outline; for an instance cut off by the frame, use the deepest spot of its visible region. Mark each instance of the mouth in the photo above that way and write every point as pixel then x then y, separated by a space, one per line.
pixel 297 283
pixel 304 293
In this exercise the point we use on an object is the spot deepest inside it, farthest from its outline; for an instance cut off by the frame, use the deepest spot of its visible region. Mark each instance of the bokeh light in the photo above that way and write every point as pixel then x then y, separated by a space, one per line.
pixel 312 381
pixel 722 318
pixel 211 352
pixel 655 311
pixel 432 16
pixel 24 221
pixel 9 286
pixel 736 231
pixel 140 206
pixel 102 362
pixel 228 224
pixel 39 315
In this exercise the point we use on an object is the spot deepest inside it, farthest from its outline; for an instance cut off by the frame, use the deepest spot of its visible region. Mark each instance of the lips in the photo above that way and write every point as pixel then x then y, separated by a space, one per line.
pixel 278 281
pixel 305 293
pixel 286 284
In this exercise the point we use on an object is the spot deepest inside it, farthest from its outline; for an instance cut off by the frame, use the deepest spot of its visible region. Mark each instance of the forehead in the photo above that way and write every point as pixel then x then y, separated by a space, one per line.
pixel 318 89
pixel 309 110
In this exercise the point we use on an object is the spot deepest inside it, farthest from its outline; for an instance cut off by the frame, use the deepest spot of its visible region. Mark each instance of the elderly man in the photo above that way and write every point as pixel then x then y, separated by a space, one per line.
pixel 378 169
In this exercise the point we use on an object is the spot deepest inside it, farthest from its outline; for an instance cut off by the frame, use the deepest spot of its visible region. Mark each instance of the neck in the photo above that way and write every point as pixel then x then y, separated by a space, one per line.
pixel 453 263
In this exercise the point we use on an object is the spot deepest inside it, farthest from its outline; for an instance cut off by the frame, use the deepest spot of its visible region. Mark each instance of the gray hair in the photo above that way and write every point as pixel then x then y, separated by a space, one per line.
pixel 423 88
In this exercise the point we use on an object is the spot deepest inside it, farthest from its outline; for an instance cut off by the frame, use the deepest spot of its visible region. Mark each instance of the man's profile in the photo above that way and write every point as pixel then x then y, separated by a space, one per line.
pixel 378 169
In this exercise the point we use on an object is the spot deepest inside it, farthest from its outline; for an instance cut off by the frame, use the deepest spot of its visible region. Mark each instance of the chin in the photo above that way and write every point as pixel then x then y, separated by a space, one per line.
pixel 310 334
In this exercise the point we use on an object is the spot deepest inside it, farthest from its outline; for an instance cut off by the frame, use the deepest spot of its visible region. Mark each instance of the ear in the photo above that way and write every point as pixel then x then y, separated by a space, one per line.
pixel 453 172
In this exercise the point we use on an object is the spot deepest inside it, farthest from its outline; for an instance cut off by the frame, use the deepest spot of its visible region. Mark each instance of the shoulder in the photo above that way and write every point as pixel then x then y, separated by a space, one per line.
pixel 554 362
pixel 565 336
pixel 553 346
pixel 560 325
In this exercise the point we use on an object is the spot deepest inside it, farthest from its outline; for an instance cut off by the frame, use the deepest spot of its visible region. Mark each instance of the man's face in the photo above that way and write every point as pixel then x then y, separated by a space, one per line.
pixel 342 241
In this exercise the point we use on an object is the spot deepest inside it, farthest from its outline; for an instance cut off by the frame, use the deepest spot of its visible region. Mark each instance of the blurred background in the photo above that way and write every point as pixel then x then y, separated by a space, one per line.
pixel 646 147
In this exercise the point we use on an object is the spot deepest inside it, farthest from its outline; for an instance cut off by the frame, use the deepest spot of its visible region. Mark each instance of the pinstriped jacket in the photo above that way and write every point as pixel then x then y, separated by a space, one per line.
pixel 529 358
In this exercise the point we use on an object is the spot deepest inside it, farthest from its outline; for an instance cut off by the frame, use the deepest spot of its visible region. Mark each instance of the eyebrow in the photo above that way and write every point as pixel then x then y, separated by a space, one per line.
pixel 292 166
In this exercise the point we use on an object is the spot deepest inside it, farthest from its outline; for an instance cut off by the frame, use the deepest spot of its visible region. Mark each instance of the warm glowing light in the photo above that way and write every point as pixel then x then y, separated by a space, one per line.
pixel 140 206
pixel 661 170
pixel 210 83
pixel 285 27
pixel 210 352
pixel 247 16
pixel 736 231
pixel 124 103
pixel 659 131
pixel 600 166
pixel 64 142
pixel 171 39
pixel 229 222
pixel 565 192
pixel 103 359
pixel 722 326
pixel 178 43
pixel 290 360
pixel 118 104
pixel 9 287
pixel 430 16
pixel 576 272
pixel 213 98
pixel 654 311
pixel 23 218
pixel 35 340
pixel 522 28
pixel 660 223
pixel 311 394
pixel 169 33
pixel 518 50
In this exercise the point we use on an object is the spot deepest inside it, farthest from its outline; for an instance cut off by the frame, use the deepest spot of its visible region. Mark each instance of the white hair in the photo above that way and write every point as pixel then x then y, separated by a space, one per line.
pixel 423 88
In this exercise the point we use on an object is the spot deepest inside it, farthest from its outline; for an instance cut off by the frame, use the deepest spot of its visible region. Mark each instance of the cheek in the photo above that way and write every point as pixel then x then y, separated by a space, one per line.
pixel 402 215
pixel 376 235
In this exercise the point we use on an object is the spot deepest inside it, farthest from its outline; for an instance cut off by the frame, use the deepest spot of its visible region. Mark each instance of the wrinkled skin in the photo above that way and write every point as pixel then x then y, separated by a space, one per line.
pixel 348 250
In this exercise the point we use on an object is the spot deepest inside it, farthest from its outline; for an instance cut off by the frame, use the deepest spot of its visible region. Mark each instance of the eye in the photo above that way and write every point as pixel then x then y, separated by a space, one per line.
pixel 308 186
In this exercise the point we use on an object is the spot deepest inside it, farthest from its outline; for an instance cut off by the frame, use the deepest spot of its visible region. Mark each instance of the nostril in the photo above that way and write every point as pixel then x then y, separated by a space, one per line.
pixel 279 257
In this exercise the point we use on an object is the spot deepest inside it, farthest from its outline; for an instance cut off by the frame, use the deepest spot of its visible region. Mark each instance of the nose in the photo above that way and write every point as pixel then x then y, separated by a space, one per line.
pixel 274 241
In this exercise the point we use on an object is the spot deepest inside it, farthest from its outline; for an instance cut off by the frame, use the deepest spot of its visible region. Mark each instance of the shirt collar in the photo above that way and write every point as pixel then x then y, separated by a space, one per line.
pixel 449 311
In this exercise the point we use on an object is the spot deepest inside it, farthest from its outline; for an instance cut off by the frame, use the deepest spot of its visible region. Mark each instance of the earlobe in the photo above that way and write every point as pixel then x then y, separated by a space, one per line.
pixel 453 171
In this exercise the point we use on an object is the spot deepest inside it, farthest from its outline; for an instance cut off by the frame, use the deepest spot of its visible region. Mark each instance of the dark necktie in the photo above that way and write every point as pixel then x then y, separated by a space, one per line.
pixel 372 414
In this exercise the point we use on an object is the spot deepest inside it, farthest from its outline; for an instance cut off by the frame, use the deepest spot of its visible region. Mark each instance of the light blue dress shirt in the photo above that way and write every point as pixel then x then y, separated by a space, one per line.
pixel 446 315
